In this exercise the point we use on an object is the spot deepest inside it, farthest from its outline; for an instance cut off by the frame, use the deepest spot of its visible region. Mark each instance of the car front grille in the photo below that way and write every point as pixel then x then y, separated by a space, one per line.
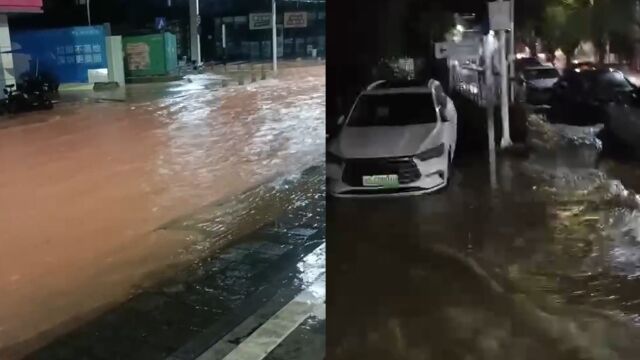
pixel 355 169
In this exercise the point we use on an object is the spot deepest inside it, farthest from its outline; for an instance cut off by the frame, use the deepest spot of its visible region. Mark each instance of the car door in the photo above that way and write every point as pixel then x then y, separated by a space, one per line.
pixel 567 99
pixel 624 121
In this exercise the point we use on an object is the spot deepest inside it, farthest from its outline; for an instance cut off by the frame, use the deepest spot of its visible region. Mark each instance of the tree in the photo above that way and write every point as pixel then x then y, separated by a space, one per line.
pixel 567 22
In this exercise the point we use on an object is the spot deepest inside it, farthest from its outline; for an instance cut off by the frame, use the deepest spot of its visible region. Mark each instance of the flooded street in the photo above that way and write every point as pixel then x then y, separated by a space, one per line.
pixel 87 189
pixel 544 265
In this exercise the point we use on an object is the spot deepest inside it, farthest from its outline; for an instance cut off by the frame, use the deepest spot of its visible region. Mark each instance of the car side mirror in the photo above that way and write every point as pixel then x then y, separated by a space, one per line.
pixel 341 120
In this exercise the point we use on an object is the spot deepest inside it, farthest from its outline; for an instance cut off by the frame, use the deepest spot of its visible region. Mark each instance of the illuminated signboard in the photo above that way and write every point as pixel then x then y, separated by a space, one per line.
pixel 20 6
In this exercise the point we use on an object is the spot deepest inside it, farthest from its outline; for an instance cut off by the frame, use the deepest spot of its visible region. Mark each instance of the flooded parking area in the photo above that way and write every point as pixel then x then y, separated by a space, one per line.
pixel 543 265
pixel 87 189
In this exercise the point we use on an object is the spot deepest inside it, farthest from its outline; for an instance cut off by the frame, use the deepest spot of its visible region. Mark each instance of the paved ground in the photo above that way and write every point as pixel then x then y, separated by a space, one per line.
pixel 91 190
pixel 541 264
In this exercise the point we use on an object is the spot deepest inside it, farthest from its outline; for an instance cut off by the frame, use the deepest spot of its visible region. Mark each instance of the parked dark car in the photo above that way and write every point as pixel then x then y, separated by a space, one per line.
pixel 523 63
pixel 583 97
pixel 538 83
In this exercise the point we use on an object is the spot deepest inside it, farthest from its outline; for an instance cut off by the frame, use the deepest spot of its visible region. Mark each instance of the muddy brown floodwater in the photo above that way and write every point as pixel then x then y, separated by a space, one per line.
pixel 84 187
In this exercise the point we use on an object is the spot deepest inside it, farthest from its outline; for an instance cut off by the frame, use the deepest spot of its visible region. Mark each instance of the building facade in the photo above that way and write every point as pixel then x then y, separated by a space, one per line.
pixel 247 29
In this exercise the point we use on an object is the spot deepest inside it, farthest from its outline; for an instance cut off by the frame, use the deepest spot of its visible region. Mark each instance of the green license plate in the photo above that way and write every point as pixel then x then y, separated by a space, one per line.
pixel 390 181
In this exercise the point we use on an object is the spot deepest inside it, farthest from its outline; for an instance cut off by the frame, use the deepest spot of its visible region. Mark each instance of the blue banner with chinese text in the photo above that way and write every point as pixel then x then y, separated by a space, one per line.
pixel 67 53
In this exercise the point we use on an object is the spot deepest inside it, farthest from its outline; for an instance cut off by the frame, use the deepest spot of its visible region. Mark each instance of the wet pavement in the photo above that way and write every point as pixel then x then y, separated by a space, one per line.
pixel 198 307
pixel 99 199
pixel 542 264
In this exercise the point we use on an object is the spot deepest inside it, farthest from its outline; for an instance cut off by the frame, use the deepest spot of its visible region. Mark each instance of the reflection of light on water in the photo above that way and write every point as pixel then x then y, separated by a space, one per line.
pixel 253 132
pixel 625 253
pixel 312 266
pixel 634 320
pixel 594 213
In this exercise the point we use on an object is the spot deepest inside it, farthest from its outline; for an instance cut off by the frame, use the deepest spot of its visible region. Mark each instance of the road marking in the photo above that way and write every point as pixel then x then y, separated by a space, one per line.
pixel 259 344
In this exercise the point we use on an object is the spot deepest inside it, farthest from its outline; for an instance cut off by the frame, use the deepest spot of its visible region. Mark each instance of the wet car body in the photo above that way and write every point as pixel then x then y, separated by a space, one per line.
pixel 526 62
pixel 407 150
pixel 538 83
pixel 622 130
pixel 583 96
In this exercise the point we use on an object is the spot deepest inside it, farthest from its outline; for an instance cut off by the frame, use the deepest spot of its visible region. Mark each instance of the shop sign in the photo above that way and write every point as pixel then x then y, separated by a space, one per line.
pixel 295 19
pixel 258 21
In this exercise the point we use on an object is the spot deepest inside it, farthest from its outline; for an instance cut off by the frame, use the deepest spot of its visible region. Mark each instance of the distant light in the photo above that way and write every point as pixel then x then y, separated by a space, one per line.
pixel 577 70
pixel 459 27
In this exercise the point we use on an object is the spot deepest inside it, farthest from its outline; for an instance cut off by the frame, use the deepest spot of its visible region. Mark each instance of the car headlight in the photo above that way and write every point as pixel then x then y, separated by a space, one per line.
pixel 333 158
pixel 432 153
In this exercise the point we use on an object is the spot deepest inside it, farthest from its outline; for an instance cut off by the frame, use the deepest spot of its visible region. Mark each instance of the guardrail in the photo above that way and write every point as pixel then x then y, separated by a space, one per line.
pixel 468 81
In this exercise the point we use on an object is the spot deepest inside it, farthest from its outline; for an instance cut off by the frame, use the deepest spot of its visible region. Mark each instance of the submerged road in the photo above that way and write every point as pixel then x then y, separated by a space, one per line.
pixel 87 190
pixel 543 266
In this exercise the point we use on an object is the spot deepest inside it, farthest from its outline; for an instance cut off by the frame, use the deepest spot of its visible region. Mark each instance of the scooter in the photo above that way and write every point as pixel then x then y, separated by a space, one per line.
pixel 31 94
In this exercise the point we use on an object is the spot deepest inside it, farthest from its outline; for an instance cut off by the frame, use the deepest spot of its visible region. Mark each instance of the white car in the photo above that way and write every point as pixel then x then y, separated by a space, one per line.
pixel 399 138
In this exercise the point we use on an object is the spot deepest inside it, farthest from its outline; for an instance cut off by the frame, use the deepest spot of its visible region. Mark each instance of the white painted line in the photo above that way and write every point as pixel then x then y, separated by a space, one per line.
pixel 259 344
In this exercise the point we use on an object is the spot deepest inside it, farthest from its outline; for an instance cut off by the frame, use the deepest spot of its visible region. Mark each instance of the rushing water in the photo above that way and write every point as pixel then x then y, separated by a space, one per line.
pixel 85 187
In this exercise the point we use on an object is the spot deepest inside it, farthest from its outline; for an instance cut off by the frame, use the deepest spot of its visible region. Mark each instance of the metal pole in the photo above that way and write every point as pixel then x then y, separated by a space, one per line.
pixel 274 40
pixel 224 36
pixel 224 45
pixel 489 103
pixel 89 12
pixel 512 55
pixel 504 90
pixel 194 33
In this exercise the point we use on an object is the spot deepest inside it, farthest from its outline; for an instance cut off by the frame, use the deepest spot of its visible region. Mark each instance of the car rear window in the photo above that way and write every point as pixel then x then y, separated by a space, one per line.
pixel 604 85
pixel 612 81
pixel 393 110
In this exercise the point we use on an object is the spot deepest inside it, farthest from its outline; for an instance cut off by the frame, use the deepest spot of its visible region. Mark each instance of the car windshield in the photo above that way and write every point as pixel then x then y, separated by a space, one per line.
pixel 393 110
pixel 536 74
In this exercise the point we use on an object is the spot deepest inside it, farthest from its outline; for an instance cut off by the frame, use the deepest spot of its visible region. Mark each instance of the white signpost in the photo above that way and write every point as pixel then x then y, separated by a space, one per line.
pixel 500 20
pixel 500 15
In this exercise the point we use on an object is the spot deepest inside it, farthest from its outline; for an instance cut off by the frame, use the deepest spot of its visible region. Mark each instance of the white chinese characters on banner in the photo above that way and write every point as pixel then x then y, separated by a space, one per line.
pixel 79 54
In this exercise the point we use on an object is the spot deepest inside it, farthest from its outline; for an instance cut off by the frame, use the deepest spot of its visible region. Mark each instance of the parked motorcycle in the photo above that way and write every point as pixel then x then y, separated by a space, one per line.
pixel 33 90
pixel 31 93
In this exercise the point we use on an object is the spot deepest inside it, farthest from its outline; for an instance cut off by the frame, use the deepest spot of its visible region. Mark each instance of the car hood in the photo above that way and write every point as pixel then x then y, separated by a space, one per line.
pixel 542 83
pixel 383 141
